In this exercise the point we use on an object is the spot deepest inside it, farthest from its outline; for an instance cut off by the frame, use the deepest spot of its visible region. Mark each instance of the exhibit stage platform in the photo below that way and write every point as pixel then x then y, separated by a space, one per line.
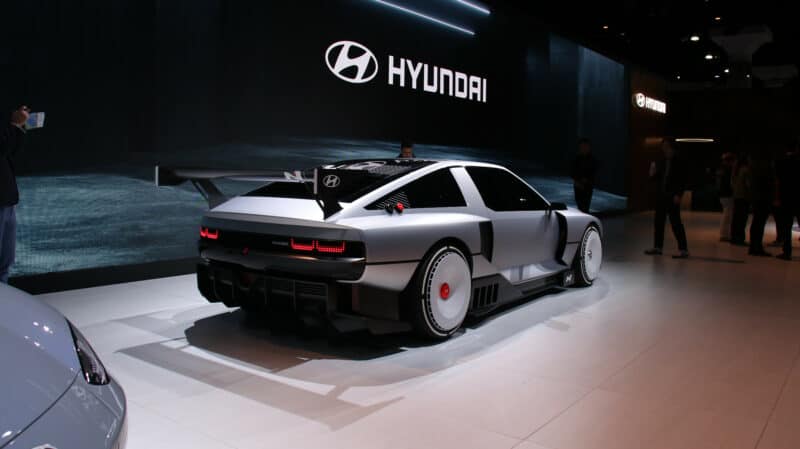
pixel 659 353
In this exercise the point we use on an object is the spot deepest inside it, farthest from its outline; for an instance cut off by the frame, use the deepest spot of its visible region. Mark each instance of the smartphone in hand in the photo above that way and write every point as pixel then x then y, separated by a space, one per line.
pixel 35 121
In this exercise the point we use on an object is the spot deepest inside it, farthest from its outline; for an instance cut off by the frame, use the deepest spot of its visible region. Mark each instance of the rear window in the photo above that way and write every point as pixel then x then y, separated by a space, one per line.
pixel 437 189
pixel 354 180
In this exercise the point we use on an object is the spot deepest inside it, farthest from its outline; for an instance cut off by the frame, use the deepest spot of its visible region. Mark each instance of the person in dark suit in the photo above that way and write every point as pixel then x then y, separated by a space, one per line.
pixel 788 174
pixel 584 169
pixel 11 138
pixel 762 173
pixel 670 175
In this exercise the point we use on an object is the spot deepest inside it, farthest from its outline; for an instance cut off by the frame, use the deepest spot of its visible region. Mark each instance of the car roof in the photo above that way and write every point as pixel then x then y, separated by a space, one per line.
pixel 418 162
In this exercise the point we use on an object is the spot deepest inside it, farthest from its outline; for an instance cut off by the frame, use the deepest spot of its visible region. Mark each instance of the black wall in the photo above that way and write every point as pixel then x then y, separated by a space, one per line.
pixel 120 79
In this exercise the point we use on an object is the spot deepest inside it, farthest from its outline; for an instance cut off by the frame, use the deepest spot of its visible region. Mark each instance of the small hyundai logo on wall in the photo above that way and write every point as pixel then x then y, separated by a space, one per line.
pixel 351 62
pixel 640 100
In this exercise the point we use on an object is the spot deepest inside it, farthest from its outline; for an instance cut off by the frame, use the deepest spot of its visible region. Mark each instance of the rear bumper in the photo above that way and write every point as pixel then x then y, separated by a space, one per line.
pixel 350 268
pixel 347 306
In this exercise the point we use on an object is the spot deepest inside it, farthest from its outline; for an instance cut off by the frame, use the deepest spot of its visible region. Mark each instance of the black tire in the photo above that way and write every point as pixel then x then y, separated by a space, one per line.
pixel 585 275
pixel 421 295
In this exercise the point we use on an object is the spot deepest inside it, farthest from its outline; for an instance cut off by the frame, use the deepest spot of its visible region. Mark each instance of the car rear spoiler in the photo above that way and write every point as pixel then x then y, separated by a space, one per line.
pixel 203 180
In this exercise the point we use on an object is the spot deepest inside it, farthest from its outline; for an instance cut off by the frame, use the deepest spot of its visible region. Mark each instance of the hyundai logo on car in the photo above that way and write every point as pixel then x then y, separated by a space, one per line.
pixel 331 181
pixel 353 62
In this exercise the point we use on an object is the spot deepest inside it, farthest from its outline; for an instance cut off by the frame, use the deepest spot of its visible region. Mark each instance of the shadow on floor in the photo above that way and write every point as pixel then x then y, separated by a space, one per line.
pixel 290 372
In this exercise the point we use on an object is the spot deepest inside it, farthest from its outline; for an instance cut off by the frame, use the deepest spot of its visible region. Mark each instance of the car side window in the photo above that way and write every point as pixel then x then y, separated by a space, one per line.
pixel 437 189
pixel 503 192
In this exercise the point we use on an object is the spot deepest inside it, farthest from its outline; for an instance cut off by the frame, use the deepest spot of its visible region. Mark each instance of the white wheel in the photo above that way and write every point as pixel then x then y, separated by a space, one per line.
pixel 589 257
pixel 445 292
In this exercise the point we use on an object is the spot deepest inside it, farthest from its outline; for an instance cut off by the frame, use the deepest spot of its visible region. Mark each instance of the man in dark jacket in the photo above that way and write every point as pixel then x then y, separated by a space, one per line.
pixel 11 139
pixel 789 198
pixel 670 174
pixel 584 169
pixel 762 173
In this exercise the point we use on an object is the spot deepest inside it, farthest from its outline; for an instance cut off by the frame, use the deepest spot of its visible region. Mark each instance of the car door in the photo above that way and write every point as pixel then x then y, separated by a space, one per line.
pixel 525 232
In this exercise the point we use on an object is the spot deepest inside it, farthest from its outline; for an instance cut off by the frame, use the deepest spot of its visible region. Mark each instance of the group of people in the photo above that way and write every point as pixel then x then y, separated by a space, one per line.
pixel 761 185
pixel 757 185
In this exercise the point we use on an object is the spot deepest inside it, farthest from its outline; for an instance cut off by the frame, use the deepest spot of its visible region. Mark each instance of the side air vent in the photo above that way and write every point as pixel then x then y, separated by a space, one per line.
pixel 483 297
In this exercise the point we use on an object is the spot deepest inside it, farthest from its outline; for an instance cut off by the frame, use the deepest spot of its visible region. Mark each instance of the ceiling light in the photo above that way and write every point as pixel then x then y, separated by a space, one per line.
pixel 716 76
pixel 678 77
pixel 694 139
pixel 694 38
pixel 605 27
pixel 717 18
pixel 709 56
pixel 727 70
pixel 474 6
pixel 424 16
pixel 748 75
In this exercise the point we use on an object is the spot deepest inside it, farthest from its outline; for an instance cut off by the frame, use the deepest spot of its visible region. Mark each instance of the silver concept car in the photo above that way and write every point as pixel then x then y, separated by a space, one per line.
pixel 55 391
pixel 388 244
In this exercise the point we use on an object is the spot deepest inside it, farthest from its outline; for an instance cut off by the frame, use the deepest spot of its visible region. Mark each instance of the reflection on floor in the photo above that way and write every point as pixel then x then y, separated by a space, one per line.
pixel 660 353
pixel 100 218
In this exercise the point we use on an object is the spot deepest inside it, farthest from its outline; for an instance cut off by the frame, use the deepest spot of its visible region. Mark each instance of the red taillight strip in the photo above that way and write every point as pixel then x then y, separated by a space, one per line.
pixel 302 246
pixel 209 234
pixel 333 249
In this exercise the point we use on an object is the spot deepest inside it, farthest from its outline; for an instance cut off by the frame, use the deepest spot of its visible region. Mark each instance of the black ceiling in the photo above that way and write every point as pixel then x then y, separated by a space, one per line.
pixel 655 34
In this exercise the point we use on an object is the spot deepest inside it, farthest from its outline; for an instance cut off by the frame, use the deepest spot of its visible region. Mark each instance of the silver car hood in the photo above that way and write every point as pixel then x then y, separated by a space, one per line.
pixel 39 360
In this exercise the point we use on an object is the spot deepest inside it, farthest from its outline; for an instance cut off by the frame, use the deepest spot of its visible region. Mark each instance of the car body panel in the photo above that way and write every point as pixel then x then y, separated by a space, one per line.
pixel 80 419
pixel 45 398
pixel 40 361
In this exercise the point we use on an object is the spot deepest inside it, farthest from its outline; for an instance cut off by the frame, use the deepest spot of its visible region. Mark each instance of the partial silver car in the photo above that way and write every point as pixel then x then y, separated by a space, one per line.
pixel 54 391
pixel 388 244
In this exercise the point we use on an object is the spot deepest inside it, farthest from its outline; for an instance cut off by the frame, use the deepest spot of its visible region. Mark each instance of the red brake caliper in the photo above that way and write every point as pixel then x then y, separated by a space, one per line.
pixel 444 291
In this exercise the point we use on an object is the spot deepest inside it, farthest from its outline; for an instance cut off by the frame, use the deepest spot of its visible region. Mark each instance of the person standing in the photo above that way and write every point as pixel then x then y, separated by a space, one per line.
pixel 741 183
pixel 11 140
pixel 671 175
pixel 725 189
pixel 762 174
pixel 406 150
pixel 781 213
pixel 789 197
pixel 584 169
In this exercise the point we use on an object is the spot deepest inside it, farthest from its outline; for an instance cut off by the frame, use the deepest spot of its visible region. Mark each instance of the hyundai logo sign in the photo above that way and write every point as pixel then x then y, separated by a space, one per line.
pixel 351 62
pixel 331 181
pixel 640 100
pixel 355 63
pixel 643 101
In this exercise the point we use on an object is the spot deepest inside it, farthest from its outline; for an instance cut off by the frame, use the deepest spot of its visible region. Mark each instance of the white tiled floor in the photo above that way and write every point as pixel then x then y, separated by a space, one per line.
pixel 659 354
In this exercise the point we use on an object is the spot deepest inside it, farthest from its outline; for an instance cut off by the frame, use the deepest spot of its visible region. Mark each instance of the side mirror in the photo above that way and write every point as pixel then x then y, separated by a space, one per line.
pixel 558 206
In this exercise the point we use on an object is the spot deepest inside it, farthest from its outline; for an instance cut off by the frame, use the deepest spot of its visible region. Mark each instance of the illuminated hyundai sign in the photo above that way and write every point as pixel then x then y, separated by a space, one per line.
pixel 644 102
pixel 355 63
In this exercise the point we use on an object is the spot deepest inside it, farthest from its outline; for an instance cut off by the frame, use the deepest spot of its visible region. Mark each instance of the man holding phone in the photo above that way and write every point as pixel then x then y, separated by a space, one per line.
pixel 12 137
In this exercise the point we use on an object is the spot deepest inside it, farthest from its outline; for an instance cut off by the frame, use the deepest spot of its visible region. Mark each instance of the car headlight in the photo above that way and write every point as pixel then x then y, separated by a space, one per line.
pixel 93 370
